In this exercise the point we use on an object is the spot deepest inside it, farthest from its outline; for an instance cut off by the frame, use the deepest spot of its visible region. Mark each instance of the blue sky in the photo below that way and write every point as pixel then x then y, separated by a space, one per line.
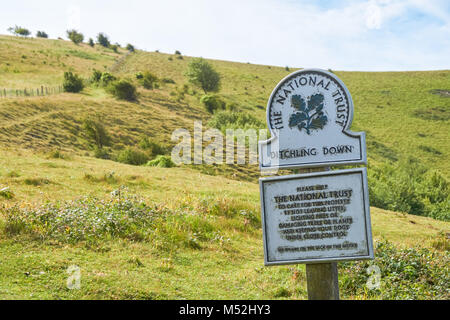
pixel 373 35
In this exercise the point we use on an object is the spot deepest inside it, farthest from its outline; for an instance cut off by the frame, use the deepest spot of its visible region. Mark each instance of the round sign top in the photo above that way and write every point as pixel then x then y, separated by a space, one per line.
pixel 308 102
pixel 309 115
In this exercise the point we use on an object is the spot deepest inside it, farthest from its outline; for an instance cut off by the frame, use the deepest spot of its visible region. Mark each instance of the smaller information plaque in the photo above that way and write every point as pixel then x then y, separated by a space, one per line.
pixel 316 217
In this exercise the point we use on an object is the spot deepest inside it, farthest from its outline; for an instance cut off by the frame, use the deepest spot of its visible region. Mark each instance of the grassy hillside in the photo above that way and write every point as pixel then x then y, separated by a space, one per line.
pixel 204 221
pixel 210 232
pixel 401 112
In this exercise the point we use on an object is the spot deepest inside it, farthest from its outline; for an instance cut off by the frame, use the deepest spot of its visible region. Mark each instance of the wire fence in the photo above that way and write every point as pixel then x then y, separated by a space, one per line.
pixel 30 92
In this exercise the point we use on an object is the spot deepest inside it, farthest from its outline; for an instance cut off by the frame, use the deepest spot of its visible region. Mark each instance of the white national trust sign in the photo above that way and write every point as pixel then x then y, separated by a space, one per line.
pixel 309 115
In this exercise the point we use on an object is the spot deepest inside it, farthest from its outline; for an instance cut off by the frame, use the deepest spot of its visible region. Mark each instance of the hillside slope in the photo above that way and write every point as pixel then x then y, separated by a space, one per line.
pixel 402 112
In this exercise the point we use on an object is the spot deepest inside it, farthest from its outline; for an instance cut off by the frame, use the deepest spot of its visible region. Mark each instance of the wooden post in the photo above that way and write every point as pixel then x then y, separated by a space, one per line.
pixel 322 281
pixel 322 278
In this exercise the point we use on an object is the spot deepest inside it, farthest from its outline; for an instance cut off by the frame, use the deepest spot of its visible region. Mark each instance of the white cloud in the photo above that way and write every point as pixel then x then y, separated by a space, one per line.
pixel 373 16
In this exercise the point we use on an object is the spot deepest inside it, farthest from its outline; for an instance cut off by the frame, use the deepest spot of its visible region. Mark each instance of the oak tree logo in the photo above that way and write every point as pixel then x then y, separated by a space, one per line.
pixel 309 116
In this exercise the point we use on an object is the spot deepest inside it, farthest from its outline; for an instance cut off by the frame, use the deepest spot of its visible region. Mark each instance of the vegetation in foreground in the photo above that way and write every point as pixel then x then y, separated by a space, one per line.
pixel 206 227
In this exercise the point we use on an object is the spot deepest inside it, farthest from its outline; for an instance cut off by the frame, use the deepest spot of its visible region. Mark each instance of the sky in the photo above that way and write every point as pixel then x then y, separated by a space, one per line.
pixel 359 35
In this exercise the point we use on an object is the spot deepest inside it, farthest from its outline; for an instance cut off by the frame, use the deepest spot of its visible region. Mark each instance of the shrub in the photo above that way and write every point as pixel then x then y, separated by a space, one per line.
pixel 167 80
pixel 96 76
pixel 107 78
pixel 234 120
pixel 148 80
pixel 72 82
pixel 41 34
pixel 103 40
pixel 96 132
pixel 101 153
pixel 19 31
pixel 123 90
pixel 83 219
pixel 139 75
pixel 161 162
pixel 132 156
pixel 91 42
pixel 36 181
pixel 212 103
pixel 407 186
pixel 405 273
pixel 152 147
pixel 177 52
pixel 75 36
pixel 57 154
pixel 202 74
pixel 130 47
pixel 114 47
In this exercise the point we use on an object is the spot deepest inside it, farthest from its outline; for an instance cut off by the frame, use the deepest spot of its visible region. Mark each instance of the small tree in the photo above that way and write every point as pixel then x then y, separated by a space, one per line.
pixel 106 78
pixel 72 82
pixel 19 31
pixel 148 80
pixel 114 48
pixel 103 40
pixel 123 90
pixel 96 132
pixel 75 36
pixel 202 74
pixel 41 34
pixel 91 42
pixel 96 76
pixel 130 47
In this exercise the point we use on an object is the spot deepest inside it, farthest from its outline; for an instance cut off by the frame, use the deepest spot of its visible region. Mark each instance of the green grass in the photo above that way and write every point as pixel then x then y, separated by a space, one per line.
pixel 208 242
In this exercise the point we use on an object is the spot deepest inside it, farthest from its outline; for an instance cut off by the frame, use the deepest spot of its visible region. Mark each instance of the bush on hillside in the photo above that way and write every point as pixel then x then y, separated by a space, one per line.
pixel 75 36
pixel 123 90
pixel 161 162
pixel 224 119
pixel 91 42
pixel 96 132
pixel 212 103
pixel 132 156
pixel 114 47
pixel 96 76
pixel 148 80
pixel 103 40
pixel 130 48
pixel 41 34
pixel 72 82
pixel 152 147
pixel 202 74
pixel 407 186
pixel 107 78
pixel 19 31
pixel 404 273
pixel 102 153
pixel 167 80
